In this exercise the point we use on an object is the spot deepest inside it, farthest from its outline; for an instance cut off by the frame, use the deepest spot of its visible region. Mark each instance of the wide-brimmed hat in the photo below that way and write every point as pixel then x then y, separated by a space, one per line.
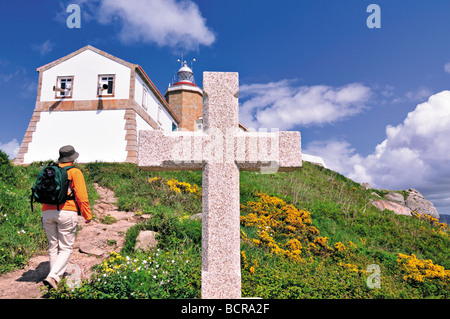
pixel 67 154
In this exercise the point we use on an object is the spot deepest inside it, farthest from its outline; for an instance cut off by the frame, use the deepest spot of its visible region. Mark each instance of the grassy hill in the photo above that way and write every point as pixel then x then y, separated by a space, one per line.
pixel 311 233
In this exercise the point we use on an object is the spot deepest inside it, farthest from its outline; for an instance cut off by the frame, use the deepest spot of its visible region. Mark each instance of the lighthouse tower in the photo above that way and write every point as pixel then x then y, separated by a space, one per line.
pixel 186 99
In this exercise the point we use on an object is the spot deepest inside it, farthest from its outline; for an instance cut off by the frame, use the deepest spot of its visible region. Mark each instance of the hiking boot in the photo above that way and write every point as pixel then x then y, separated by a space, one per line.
pixel 50 283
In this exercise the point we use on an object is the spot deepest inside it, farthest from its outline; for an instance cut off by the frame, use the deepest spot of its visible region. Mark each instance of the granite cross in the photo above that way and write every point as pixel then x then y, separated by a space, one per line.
pixel 220 151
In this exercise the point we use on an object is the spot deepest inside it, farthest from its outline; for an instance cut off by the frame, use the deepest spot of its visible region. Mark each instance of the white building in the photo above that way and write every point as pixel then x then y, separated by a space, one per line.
pixel 317 160
pixel 97 103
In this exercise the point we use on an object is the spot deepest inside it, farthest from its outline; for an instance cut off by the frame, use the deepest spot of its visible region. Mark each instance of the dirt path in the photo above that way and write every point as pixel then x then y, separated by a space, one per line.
pixel 94 242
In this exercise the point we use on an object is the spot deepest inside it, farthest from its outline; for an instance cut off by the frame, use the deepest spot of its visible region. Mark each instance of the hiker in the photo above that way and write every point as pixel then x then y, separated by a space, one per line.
pixel 61 225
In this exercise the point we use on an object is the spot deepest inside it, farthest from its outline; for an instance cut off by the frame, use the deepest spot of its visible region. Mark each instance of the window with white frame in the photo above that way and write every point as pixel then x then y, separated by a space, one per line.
pixel 144 98
pixel 64 85
pixel 106 83
pixel 159 114
pixel 199 125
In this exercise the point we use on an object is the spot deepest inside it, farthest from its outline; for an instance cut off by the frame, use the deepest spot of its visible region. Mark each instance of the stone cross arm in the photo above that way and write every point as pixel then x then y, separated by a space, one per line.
pixel 266 151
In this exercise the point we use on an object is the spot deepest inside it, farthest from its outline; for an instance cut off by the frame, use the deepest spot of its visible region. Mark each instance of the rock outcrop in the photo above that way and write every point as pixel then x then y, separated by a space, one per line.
pixel 418 203
pixel 396 197
pixel 415 201
pixel 392 206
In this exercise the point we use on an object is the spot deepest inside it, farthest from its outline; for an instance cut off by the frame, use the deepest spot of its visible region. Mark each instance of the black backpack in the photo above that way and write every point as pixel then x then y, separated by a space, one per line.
pixel 51 186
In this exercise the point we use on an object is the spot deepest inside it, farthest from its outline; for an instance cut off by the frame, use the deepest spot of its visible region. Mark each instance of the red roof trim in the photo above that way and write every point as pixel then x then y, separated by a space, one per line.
pixel 185 83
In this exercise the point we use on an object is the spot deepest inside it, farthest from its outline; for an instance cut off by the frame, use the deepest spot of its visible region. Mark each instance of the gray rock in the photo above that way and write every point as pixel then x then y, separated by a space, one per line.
pixel 146 240
pixel 196 216
pixel 365 185
pixel 396 197
pixel 416 202
pixel 91 249
pixel 392 206
pixel 375 194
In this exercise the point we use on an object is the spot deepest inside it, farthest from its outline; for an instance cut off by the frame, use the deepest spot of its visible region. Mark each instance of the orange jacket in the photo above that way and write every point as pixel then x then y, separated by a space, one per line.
pixel 78 185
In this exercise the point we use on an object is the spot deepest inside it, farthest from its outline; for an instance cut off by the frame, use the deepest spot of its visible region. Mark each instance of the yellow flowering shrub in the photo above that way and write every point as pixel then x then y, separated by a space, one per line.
pixel 243 257
pixel 272 215
pixel 179 187
pixel 351 267
pixel 287 231
pixel 294 244
pixel 339 246
pixel 245 264
pixel 312 231
pixel 351 245
pixel 443 227
pixel 184 187
pixel 418 270
pixel 274 212
pixel 321 241
pixel 425 217
pixel 269 241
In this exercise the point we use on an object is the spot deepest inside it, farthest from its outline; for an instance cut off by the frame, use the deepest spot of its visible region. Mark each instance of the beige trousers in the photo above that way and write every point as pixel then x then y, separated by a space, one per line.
pixel 60 227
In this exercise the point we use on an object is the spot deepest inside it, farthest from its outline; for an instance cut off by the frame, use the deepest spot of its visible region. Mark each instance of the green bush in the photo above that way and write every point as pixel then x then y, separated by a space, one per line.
pixel 4 159
pixel 156 275
pixel 21 234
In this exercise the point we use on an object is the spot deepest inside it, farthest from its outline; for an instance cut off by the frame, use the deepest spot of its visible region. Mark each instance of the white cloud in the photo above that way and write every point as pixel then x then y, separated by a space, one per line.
pixel 417 151
pixel 177 24
pixel 11 148
pixel 447 67
pixel 43 48
pixel 340 157
pixel 415 96
pixel 415 154
pixel 283 105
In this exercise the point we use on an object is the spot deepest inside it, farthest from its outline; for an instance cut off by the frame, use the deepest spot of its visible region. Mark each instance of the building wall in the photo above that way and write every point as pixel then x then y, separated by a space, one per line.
pixel 100 129
pixel 85 68
pixel 152 105
pixel 141 124
pixel 97 136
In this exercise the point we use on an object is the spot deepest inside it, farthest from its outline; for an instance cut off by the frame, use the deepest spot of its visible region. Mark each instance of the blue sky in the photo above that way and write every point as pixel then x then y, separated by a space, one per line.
pixel 371 102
